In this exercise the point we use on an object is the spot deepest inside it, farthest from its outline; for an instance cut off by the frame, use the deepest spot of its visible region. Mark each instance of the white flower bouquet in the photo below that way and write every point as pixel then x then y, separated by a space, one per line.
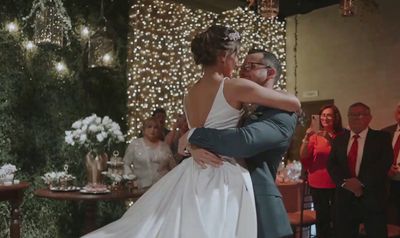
pixel 7 173
pixel 7 169
pixel 94 133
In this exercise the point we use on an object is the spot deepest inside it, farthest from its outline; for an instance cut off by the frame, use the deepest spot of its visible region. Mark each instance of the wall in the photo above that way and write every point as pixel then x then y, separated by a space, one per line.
pixel 347 59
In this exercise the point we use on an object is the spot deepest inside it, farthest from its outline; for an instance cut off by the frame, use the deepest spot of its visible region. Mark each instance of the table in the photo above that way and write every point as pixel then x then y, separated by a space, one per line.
pixel 291 195
pixel 90 201
pixel 14 194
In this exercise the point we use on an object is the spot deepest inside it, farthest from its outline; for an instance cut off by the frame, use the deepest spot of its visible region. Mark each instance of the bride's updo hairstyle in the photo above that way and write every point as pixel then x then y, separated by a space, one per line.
pixel 208 44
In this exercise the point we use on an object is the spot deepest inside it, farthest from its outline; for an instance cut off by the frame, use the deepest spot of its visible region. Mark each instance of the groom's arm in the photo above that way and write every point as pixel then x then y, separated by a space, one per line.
pixel 273 129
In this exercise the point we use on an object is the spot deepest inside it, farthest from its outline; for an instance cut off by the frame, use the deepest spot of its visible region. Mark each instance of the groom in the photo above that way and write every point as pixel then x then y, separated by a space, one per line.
pixel 263 141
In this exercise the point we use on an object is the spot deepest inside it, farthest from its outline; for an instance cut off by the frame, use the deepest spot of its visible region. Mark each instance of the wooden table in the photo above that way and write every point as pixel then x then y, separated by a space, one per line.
pixel 90 201
pixel 14 194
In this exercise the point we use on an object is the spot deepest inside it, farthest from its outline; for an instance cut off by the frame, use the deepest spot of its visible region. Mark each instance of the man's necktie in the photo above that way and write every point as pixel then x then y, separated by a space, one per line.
pixel 396 149
pixel 352 156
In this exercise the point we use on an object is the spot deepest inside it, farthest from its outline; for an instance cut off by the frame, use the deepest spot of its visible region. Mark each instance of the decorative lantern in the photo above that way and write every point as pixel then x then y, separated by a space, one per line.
pixel 347 7
pixel 101 45
pixel 101 50
pixel 51 22
pixel 268 8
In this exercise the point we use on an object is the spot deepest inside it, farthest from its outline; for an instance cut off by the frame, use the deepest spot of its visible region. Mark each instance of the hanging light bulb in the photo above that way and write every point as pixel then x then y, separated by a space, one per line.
pixel 269 8
pixel 347 7
pixel 29 45
pixel 107 59
pixel 61 67
pixel 85 32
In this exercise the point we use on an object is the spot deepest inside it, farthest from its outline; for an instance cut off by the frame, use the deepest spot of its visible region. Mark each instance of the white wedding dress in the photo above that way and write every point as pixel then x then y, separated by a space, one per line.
pixel 191 202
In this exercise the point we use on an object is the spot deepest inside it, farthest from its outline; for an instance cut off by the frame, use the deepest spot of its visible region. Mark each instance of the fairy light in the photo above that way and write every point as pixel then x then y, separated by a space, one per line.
pixel 107 58
pixel 29 45
pixel 85 32
pixel 160 63
pixel 12 27
pixel 61 67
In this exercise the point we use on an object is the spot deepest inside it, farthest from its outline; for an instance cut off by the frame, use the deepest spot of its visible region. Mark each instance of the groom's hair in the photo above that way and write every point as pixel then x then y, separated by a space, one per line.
pixel 271 60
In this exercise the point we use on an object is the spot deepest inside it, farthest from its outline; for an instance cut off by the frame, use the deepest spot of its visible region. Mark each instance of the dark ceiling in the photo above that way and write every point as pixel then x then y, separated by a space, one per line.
pixel 287 7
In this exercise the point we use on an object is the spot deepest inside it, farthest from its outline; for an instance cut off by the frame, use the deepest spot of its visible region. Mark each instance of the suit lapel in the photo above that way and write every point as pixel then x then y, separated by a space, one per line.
pixel 345 144
pixel 368 146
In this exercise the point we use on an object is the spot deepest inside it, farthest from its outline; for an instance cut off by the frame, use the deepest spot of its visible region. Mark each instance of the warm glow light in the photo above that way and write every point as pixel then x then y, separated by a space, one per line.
pixel 12 27
pixel 60 67
pixel 29 45
pixel 107 58
pixel 85 32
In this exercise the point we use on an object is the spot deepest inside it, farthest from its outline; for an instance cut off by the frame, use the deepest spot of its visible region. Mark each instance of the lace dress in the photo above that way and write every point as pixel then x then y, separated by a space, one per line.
pixel 149 164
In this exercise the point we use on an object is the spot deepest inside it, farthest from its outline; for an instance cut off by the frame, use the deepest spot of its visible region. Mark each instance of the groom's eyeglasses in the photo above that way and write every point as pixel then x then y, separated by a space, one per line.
pixel 253 65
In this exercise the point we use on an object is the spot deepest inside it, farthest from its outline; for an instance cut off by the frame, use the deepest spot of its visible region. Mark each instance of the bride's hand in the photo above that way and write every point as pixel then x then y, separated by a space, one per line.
pixel 204 157
pixel 182 144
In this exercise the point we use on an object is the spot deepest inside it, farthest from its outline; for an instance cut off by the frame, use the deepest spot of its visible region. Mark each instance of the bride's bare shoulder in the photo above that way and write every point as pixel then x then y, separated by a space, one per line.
pixel 235 83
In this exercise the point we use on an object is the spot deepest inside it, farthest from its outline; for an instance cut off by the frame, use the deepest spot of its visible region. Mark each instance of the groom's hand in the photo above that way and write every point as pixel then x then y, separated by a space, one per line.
pixel 204 157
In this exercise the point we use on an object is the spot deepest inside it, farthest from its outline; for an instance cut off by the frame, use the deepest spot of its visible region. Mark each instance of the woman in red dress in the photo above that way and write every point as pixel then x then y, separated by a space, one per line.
pixel 314 154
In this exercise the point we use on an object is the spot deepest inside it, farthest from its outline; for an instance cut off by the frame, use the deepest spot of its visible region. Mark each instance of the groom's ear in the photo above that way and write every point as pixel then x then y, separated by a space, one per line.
pixel 271 72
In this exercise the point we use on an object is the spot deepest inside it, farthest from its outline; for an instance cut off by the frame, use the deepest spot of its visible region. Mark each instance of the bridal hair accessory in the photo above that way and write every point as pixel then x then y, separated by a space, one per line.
pixel 234 36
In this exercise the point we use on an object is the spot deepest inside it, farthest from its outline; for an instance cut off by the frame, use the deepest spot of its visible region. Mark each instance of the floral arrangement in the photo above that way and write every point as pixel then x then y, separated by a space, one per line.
pixel 94 133
pixel 234 36
pixel 7 169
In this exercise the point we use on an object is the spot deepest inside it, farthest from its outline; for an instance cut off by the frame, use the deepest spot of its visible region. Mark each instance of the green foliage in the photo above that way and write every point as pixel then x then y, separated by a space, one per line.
pixel 37 105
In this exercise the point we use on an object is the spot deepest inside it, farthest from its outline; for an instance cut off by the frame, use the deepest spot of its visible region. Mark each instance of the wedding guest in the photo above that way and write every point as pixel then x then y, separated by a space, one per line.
pixel 161 115
pixel 358 164
pixel 179 128
pixel 314 154
pixel 394 172
pixel 148 157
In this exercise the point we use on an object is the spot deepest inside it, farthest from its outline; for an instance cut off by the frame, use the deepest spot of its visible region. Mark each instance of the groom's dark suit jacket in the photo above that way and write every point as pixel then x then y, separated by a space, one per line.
pixel 262 141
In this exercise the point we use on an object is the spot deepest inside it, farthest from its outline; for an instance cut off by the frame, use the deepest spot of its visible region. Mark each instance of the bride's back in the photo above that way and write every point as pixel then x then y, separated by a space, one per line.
pixel 199 100
pixel 207 106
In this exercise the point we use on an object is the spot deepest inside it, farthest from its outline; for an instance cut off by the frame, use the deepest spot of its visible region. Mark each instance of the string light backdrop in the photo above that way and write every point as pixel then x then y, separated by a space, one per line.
pixel 160 64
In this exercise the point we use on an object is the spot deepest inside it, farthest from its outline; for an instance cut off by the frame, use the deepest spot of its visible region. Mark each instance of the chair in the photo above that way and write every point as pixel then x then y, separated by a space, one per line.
pixel 305 217
pixel 393 231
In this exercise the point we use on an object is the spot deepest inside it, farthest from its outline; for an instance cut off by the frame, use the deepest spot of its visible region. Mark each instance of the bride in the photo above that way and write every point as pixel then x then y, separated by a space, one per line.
pixel 191 201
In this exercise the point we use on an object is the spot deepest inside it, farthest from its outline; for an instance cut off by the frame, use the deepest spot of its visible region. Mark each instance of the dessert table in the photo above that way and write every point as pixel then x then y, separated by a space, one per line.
pixel 90 201
pixel 14 194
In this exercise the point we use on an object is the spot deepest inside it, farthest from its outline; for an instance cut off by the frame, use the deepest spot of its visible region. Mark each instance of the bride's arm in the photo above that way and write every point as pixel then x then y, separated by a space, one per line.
pixel 246 91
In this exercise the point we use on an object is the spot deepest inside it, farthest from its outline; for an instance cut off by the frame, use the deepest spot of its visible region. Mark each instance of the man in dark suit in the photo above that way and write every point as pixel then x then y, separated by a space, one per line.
pixel 264 139
pixel 358 164
pixel 394 172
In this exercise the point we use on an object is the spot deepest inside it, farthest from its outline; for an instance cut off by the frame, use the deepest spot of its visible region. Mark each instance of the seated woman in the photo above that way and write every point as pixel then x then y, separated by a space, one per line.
pixel 148 157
